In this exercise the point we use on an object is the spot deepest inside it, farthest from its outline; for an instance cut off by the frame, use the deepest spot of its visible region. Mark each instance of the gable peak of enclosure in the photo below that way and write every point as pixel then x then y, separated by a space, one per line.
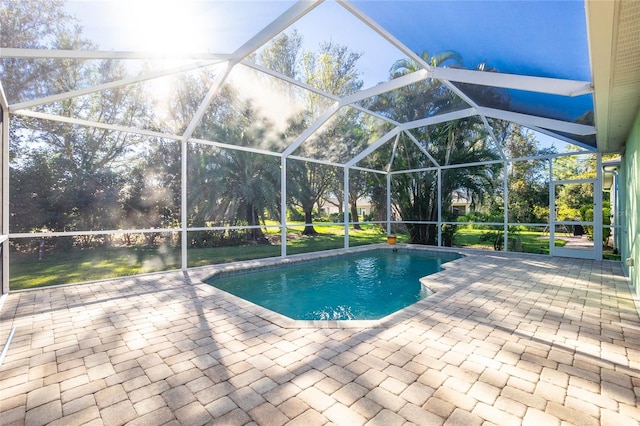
pixel 317 63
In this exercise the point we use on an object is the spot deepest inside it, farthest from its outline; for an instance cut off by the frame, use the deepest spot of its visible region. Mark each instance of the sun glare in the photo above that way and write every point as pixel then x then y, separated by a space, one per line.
pixel 163 26
pixel 271 101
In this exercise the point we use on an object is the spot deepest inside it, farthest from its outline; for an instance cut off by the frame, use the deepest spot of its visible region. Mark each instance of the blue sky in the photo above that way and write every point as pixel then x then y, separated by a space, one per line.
pixel 543 38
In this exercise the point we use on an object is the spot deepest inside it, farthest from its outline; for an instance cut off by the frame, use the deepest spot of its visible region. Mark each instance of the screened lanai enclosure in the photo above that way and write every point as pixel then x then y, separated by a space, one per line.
pixel 148 136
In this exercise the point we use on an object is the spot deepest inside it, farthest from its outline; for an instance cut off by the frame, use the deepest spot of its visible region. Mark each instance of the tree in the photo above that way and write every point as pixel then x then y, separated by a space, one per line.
pixel 78 193
pixel 421 99
pixel 31 24
pixel 407 66
pixel 572 199
pixel 234 186
pixel 457 142
pixel 251 181
pixel 33 199
pixel 416 194
pixel 528 188
pixel 282 54
pixel 350 134
pixel 309 181
pixel 150 198
pixel 332 69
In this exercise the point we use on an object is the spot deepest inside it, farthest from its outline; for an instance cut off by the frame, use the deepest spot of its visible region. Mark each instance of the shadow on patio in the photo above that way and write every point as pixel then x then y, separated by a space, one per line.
pixel 506 339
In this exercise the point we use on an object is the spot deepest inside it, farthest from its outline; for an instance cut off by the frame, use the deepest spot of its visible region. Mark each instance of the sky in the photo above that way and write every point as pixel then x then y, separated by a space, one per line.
pixel 171 26
pixel 544 38
pixel 541 37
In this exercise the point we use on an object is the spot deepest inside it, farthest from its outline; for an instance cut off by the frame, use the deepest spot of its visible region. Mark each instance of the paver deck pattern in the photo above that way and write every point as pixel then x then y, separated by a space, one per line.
pixel 506 339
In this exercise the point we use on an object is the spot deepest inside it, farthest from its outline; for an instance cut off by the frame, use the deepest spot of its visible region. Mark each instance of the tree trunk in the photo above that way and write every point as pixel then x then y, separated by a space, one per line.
pixel 422 234
pixel 255 234
pixel 308 219
pixel 340 204
pixel 354 214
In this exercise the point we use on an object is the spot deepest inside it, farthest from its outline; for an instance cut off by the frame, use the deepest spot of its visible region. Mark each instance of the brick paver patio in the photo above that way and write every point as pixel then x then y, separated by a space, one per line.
pixel 506 339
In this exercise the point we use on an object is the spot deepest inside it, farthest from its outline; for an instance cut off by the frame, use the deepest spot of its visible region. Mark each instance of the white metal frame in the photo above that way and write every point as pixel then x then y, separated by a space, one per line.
pixel 228 61
pixel 596 251
pixel 4 175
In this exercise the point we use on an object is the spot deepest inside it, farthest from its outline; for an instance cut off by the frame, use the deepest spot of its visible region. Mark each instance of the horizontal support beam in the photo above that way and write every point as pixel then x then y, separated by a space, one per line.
pixel 316 161
pixel 78 233
pixel 231 147
pixel 112 85
pixel 563 138
pixel 387 86
pixel 87 123
pixel 7 52
pixel 289 80
pixel 310 130
pixel 553 86
pixel 315 90
pixel 365 169
pixel 449 166
pixel 377 144
pixel 376 115
pixel 574 181
pixel 441 118
pixel 545 123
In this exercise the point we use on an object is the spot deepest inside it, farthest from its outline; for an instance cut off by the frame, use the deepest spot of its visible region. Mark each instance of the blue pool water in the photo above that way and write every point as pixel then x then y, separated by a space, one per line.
pixel 361 286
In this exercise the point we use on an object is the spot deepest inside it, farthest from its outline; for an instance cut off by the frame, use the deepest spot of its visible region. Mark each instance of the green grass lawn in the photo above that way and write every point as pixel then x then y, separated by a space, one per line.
pixel 101 263
pixel 532 242
pixel 88 265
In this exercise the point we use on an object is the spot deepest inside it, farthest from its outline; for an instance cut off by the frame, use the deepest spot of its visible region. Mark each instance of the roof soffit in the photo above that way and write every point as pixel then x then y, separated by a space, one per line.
pixel 614 37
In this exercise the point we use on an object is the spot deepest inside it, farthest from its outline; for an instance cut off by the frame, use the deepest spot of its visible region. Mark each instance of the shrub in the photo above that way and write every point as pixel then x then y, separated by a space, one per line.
pixel 296 215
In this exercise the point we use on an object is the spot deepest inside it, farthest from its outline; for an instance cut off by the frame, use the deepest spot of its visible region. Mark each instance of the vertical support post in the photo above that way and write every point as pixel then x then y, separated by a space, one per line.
pixel 597 209
pixel 439 207
pixel 202 109
pixel 184 204
pixel 552 210
pixel 346 207
pixel 388 203
pixel 5 201
pixel 505 197
pixel 283 206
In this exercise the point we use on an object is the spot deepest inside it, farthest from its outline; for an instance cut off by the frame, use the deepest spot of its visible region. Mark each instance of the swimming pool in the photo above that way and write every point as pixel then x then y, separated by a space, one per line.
pixel 359 286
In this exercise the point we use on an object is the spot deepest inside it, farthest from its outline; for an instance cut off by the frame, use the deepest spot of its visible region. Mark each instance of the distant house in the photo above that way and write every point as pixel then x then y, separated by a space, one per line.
pixel 460 203
pixel 330 206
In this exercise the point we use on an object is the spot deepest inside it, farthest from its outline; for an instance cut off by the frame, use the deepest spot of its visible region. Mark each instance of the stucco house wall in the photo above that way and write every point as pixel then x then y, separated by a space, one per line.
pixel 630 196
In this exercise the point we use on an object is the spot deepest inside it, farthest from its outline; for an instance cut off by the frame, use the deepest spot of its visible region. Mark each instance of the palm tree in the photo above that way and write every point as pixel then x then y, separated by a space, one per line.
pixel 456 142
pixel 232 186
pixel 416 194
pixel 406 66
pixel 249 189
